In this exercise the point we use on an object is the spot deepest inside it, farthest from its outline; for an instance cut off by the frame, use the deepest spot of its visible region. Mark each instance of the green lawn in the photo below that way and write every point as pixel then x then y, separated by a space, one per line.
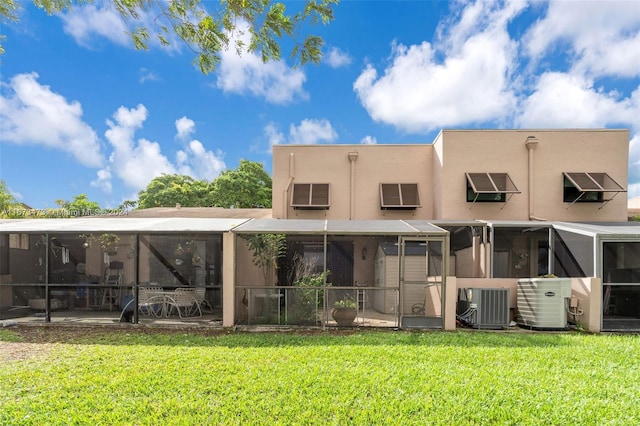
pixel 363 378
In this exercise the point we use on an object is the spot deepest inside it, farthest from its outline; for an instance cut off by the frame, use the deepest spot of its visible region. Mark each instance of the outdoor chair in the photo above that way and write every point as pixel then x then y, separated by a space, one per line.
pixel 151 301
pixel 200 296
pixel 183 300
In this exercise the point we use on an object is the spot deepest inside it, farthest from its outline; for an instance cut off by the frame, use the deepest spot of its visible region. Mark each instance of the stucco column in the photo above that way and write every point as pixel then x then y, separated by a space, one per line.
pixel 353 156
pixel 531 143
pixel 593 322
pixel 450 300
pixel 228 279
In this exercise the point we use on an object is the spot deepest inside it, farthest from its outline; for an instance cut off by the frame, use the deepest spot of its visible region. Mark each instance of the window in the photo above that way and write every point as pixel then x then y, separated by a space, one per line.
pixel 19 241
pixel 588 187
pixel 399 196
pixel 489 187
pixel 310 196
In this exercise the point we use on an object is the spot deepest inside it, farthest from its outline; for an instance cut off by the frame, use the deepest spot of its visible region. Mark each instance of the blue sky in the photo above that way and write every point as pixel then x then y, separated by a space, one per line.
pixel 81 111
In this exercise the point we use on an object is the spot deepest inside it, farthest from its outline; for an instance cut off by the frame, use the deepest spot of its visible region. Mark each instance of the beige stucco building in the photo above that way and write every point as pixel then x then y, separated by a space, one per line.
pixel 411 236
pixel 535 162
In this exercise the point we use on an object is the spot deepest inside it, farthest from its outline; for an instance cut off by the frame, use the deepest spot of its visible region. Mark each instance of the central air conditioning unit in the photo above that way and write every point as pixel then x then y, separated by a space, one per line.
pixel 542 303
pixel 484 307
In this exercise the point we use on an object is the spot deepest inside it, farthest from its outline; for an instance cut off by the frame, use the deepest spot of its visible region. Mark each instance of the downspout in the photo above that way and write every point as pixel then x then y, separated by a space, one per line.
pixel 286 190
pixel 353 156
pixel 531 143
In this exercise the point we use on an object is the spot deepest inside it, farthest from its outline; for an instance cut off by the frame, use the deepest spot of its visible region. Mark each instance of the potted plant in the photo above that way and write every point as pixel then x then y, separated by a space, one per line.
pixel 344 311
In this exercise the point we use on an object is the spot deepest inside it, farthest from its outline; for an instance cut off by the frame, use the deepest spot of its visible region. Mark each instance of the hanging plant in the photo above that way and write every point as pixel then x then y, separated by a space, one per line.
pixel 108 242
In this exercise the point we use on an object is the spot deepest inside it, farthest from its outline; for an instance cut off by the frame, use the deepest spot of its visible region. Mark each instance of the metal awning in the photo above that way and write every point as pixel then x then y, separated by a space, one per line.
pixel 491 183
pixel 114 224
pixel 593 182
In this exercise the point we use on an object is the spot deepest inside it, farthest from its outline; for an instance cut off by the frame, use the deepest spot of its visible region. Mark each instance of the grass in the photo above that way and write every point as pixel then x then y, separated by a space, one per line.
pixel 360 378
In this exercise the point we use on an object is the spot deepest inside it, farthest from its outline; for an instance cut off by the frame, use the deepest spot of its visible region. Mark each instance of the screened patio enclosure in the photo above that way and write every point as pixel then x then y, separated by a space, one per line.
pixel 610 251
pixel 93 269
pixel 332 273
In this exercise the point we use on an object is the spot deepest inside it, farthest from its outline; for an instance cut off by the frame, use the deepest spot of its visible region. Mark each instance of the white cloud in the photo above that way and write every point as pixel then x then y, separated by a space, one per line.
pixel 336 58
pixel 369 140
pixel 312 132
pixel 185 127
pixel 419 92
pixel 309 131
pixel 246 73
pixel 136 163
pixel 88 22
pixel 147 75
pixel 197 162
pixel 604 38
pixel 103 180
pixel 564 100
pixel 59 122
pixel 274 136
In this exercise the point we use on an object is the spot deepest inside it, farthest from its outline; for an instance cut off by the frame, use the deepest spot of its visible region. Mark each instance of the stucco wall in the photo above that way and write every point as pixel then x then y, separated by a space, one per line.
pixel 557 151
pixel 373 165
pixel 439 169
pixel 588 292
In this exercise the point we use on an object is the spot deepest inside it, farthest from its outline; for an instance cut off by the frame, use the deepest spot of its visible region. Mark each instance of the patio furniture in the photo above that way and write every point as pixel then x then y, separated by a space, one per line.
pixel 200 296
pixel 151 301
pixel 184 301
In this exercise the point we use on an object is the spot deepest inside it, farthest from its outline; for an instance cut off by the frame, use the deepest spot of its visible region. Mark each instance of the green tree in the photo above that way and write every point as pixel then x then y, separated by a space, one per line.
pixel 127 205
pixel 79 206
pixel 266 250
pixel 8 203
pixel 205 27
pixel 247 187
pixel 169 190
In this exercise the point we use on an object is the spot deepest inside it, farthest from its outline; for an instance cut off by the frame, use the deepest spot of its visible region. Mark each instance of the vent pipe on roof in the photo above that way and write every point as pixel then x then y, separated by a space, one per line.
pixel 353 156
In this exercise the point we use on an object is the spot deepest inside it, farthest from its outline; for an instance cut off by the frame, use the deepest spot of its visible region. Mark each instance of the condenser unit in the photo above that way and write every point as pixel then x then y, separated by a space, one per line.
pixel 484 307
pixel 542 302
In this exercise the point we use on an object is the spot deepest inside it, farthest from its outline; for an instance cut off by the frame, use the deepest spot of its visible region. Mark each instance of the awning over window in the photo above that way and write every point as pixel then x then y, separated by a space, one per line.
pixel 310 196
pixel 491 183
pixel 399 196
pixel 593 182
